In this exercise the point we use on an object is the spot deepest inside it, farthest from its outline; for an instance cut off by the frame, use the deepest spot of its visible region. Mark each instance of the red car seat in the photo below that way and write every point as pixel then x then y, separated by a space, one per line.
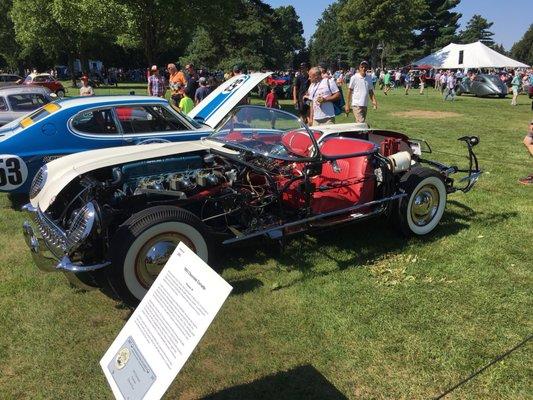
pixel 346 181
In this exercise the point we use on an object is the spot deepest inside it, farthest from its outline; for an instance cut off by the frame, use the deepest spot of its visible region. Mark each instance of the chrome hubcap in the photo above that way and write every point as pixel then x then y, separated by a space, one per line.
pixel 154 255
pixel 425 205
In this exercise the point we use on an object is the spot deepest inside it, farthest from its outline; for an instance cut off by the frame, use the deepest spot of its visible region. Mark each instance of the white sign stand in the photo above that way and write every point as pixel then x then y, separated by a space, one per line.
pixel 165 328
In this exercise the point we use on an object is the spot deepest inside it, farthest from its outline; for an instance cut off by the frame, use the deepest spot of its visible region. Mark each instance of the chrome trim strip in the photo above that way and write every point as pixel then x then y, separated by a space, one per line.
pixel 67 265
pixel 313 218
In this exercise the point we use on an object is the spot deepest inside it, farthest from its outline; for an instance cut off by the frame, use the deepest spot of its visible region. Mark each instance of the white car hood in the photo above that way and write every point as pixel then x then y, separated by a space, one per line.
pixel 225 97
pixel 65 169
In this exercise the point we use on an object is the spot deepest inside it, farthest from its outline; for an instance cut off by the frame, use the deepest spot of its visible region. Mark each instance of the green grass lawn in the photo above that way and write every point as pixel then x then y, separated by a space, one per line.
pixel 357 312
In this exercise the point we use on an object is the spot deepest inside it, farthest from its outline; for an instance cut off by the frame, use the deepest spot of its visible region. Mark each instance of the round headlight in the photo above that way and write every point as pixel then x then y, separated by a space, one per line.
pixel 81 226
pixel 38 181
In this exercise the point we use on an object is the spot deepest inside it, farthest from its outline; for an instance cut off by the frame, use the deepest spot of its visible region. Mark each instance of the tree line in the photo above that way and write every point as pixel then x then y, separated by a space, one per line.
pixel 221 33
pixel 136 33
pixel 396 32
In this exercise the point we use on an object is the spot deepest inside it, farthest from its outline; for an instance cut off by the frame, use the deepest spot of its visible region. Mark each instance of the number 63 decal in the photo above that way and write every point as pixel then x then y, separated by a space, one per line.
pixel 13 172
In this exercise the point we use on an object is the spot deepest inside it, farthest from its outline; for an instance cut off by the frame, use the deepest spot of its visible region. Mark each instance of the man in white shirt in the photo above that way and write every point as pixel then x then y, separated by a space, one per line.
pixel 322 93
pixel 360 89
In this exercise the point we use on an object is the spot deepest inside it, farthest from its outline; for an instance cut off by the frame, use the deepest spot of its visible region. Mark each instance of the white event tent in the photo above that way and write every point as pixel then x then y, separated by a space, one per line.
pixel 472 55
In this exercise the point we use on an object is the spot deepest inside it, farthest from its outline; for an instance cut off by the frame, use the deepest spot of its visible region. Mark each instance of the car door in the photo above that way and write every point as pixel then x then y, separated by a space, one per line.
pixel 154 123
pixel 476 85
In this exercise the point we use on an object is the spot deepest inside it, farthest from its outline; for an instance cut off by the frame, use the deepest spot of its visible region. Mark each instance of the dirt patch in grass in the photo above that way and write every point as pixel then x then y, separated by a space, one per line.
pixel 425 114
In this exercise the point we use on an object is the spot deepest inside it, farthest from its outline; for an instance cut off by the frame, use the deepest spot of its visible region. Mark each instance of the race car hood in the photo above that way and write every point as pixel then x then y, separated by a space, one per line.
pixel 62 171
pixel 225 97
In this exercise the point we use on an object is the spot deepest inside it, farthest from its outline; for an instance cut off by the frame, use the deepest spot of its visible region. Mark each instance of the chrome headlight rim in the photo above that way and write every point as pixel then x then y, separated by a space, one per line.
pixel 38 182
pixel 81 227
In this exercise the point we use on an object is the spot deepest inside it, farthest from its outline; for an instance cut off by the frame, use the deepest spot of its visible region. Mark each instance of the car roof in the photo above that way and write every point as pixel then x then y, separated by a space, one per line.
pixel 15 89
pixel 108 100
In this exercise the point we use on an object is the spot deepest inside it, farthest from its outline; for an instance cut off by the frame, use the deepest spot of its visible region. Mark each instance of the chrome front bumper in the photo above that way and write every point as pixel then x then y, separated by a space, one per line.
pixel 44 238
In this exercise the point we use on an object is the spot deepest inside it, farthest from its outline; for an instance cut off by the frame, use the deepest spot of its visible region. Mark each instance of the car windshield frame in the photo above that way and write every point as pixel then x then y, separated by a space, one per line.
pixel 275 152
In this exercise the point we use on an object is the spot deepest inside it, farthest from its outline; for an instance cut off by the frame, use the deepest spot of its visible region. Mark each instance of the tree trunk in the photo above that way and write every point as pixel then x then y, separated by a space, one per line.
pixel 374 54
pixel 70 62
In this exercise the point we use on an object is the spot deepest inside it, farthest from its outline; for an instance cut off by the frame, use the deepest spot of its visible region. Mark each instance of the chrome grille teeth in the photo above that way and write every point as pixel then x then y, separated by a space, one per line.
pixel 38 181
pixel 61 242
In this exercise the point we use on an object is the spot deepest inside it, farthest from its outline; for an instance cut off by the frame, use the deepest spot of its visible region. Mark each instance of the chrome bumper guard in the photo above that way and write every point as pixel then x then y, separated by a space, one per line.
pixel 45 239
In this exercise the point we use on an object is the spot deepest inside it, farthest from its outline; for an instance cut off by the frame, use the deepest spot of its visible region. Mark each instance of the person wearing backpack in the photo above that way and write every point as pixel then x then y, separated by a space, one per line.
pixel 321 95
pixel 360 89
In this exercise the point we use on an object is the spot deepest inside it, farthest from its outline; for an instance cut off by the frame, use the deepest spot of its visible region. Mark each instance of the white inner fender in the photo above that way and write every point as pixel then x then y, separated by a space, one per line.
pixel 400 161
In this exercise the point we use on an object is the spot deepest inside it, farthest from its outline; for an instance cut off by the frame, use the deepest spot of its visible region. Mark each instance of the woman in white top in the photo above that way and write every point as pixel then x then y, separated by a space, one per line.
pixel 85 89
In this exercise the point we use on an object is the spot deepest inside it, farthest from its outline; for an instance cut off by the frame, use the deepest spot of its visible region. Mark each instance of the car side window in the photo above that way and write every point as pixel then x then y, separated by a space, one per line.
pixel 96 122
pixel 147 119
pixel 26 101
pixel 3 104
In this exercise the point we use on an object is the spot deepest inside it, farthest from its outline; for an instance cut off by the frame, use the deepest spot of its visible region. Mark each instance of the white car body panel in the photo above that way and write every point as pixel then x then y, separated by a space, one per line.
pixel 65 169
pixel 225 97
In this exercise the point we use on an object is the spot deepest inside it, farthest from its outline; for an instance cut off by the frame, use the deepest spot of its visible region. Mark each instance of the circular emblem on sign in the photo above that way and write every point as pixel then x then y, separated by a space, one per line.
pixel 13 172
pixel 123 357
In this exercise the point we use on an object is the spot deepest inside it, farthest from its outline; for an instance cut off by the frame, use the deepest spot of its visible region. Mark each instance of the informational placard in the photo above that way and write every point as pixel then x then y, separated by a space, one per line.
pixel 165 328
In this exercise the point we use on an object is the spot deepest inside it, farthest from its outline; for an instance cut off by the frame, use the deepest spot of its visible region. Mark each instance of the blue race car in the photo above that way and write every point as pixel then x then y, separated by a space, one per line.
pixel 85 123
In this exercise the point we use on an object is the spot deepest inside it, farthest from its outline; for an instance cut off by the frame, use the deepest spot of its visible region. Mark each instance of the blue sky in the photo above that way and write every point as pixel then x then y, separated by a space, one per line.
pixel 511 17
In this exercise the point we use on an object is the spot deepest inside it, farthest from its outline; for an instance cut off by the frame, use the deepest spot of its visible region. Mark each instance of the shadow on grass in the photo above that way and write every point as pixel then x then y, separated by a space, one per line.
pixel 365 243
pixel 17 200
pixel 304 382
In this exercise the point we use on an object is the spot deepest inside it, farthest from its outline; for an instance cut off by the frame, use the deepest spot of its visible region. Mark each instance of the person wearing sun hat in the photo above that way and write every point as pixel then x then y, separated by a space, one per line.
pixel 156 83
pixel 85 89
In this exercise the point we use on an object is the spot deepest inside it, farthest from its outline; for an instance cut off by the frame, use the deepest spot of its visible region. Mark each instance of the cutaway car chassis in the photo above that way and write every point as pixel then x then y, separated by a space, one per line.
pixel 220 196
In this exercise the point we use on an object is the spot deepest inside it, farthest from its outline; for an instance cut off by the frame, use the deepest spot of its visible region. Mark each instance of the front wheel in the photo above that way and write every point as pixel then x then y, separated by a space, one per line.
pixel 422 209
pixel 143 244
pixel 60 94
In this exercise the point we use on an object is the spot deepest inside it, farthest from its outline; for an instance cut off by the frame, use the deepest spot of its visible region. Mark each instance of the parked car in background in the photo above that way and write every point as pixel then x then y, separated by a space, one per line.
pixel 47 81
pixel 483 85
pixel 117 214
pixel 16 101
pixel 84 123
pixel 10 80
pixel 430 80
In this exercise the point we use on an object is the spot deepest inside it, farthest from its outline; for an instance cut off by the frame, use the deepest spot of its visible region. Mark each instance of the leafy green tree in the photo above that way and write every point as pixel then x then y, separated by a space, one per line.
pixel 259 36
pixel 288 31
pixel 202 50
pixel 523 49
pixel 9 50
pixel 500 49
pixel 438 25
pixel 477 29
pixel 369 23
pixel 164 28
pixel 68 29
pixel 329 44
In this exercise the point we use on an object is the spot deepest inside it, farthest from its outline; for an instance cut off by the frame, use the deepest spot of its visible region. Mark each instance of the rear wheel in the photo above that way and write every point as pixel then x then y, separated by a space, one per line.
pixel 421 211
pixel 60 94
pixel 143 244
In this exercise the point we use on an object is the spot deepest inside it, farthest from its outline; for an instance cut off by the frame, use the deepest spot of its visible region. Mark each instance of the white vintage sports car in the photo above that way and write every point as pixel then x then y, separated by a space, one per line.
pixel 114 216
